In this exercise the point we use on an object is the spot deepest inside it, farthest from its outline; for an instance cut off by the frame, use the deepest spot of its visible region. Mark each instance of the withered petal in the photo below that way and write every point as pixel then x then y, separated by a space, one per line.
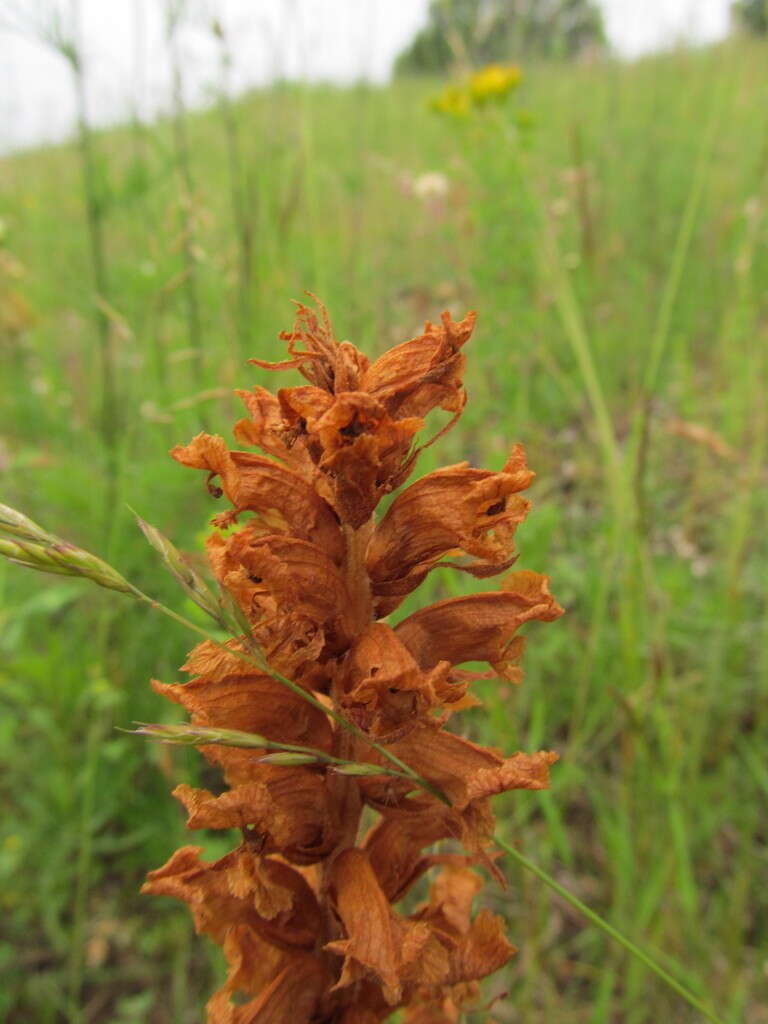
pixel 258 484
pixel 268 896
pixel 479 627
pixel 209 659
pixel 290 808
pixel 360 450
pixel 394 847
pixel 291 990
pixel 266 429
pixel 255 703
pixel 463 770
pixel 483 950
pixel 301 577
pixel 453 892
pixel 412 378
pixel 379 943
pixel 473 510
pixel 324 361
pixel 382 686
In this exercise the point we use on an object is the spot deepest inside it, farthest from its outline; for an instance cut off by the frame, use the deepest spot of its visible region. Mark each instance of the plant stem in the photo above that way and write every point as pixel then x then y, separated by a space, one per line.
pixel 609 930
pixel 239 191
pixel 298 690
pixel 174 14
pixel 94 210
pixel 640 439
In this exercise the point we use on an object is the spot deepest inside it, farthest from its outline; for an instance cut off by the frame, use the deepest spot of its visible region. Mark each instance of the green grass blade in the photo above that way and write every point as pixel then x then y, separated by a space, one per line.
pixel 609 930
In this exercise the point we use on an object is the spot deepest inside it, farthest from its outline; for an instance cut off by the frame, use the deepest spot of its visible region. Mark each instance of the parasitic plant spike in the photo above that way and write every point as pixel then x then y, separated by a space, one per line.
pixel 305 905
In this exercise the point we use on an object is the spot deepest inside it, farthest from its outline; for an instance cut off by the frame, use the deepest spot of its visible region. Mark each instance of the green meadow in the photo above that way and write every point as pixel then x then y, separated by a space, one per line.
pixel 609 224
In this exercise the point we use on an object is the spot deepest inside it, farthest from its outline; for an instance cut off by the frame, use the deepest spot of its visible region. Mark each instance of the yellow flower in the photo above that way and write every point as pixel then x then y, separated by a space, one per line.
pixel 493 82
pixel 453 100
pixel 490 84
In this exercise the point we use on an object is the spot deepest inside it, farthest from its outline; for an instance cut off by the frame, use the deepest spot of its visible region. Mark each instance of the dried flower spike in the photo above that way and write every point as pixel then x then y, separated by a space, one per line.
pixel 304 905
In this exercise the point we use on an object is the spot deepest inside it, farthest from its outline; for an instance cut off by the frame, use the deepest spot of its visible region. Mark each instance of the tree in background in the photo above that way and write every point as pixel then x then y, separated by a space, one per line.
pixel 475 32
pixel 752 15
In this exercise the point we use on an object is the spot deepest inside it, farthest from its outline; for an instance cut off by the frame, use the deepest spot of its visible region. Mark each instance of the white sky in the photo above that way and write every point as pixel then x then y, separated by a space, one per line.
pixel 342 40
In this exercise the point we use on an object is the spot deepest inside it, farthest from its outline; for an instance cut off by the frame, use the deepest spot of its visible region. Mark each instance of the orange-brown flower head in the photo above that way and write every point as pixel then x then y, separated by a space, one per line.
pixel 304 906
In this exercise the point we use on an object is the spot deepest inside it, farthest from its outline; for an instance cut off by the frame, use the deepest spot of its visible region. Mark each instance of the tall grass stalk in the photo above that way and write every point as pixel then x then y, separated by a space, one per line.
pixel 640 439
pixel 93 189
pixel 619 556
pixel 49 29
pixel 174 16
pixel 95 733
pixel 609 930
pixel 241 189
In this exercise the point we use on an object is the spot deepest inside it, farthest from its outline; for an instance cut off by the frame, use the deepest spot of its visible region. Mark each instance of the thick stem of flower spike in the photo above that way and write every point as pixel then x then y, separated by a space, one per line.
pixel 346 790
pixel 355 575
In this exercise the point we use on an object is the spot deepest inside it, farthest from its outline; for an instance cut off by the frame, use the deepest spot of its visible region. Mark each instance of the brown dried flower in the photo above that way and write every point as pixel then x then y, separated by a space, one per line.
pixel 304 905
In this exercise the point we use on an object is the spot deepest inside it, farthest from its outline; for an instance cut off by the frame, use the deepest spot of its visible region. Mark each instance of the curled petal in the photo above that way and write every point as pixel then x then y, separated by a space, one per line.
pixel 266 430
pixel 479 627
pixel 476 948
pixel 324 361
pixel 255 703
pixel 290 810
pixel 299 576
pixel 354 442
pixel 412 378
pixel 483 950
pixel 292 990
pixel 209 659
pixel 453 893
pixel 379 943
pixel 383 686
pixel 394 847
pixel 261 485
pixel 463 770
pixel 473 510
pixel 264 894
pixel 301 408
pixel 232 574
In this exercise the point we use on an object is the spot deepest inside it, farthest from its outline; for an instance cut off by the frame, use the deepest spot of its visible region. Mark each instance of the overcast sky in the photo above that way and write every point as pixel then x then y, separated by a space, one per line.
pixel 338 39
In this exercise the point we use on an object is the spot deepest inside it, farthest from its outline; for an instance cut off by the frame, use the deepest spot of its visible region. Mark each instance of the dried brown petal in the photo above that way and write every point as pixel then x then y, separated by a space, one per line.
pixel 412 378
pixel 299 576
pixel 395 847
pixel 261 485
pixel 476 948
pixel 255 703
pixel 383 687
pixel 289 808
pixel 463 770
pixel 289 984
pixel 354 442
pixel 268 896
pixel 479 627
pixel 473 510
pixel 324 361
pixel 266 430
pixel 216 663
pixel 379 943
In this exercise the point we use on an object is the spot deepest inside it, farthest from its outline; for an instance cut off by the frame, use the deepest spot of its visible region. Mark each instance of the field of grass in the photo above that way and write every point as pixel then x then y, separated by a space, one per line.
pixel 610 227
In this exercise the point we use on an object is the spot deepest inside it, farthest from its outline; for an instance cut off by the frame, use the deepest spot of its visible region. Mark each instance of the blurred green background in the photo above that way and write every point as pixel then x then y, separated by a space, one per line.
pixel 608 220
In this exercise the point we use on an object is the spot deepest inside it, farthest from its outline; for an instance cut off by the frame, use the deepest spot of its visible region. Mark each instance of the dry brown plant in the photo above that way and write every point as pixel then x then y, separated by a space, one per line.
pixel 304 906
